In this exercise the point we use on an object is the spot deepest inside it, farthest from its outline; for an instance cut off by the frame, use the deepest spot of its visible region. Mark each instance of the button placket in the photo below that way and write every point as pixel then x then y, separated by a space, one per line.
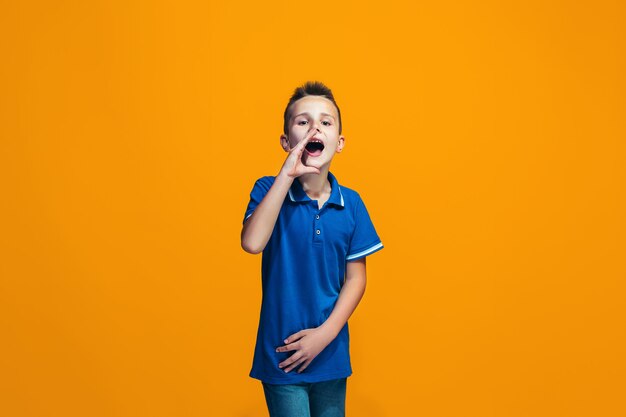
pixel 318 229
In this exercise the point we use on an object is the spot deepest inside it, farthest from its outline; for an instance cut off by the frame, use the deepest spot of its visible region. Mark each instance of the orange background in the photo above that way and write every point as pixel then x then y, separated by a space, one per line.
pixel 486 138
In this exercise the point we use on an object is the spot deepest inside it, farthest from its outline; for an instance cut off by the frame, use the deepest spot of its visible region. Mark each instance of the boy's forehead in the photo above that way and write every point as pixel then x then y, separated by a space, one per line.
pixel 313 105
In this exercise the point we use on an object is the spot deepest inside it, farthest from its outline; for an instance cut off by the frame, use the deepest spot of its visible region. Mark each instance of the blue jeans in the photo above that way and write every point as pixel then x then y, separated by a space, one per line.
pixel 318 399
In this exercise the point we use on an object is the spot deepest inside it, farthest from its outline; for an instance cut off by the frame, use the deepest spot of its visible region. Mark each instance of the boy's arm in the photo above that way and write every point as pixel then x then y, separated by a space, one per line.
pixel 258 227
pixel 349 297
pixel 310 342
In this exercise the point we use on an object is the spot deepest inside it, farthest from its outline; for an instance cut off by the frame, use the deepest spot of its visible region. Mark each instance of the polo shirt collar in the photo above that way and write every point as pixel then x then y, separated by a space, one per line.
pixel 297 194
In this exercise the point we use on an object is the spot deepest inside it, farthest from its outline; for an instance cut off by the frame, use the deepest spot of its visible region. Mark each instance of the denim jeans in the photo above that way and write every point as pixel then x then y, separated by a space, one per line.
pixel 318 399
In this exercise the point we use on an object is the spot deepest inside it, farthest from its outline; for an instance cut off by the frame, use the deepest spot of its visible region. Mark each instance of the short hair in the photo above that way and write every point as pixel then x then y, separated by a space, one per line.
pixel 310 88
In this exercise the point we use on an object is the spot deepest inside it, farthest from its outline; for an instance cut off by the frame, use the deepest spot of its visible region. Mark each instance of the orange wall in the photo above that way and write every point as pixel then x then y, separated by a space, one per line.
pixel 487 139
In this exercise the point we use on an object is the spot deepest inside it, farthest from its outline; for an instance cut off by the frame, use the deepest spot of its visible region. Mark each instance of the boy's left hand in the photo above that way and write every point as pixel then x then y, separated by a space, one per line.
pixel 308 343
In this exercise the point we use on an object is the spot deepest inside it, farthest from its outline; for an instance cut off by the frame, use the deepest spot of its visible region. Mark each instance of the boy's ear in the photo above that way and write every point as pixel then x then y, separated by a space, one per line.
pixel 284 142
pixel 341 143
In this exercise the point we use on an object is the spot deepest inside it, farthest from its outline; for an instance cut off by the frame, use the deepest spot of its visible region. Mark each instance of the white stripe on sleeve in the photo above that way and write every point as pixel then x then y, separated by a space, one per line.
pixel 365 252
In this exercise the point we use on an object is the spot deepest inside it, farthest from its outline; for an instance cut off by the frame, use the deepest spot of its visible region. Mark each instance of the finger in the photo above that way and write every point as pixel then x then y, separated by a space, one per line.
pixel 299 148
pixel 303 367
pixel 286 348
pixel 306 139
pixel 294 337
pixel 312 170
pixel 290 360
pixel 312 132
pixel 296 363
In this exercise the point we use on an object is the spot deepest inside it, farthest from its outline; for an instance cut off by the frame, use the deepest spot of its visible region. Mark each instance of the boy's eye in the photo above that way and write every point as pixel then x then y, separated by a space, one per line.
pixel 302 122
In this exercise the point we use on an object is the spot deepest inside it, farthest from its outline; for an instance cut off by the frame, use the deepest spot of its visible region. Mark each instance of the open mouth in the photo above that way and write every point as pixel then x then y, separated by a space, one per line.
pixel 314 147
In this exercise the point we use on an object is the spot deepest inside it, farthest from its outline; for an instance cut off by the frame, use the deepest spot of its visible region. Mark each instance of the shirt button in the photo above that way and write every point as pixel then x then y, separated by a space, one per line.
pixel 317 216
pixel 318 231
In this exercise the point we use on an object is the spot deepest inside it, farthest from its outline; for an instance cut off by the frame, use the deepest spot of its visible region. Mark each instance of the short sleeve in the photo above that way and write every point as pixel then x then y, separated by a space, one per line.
pixel 260 188
pixel 364 240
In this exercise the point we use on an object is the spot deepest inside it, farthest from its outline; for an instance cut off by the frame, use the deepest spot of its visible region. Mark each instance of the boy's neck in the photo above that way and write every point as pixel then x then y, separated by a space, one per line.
pixel 316 185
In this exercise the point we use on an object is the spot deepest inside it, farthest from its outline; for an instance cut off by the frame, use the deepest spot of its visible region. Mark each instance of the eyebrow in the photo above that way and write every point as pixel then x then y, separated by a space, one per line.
pixel 308 114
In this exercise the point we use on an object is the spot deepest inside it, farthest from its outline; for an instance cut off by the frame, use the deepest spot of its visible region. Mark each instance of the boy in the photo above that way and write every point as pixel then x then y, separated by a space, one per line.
pixel 313 233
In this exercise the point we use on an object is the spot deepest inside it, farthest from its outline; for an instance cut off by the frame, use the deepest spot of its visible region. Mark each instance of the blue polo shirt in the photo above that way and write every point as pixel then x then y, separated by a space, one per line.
pixel 303 269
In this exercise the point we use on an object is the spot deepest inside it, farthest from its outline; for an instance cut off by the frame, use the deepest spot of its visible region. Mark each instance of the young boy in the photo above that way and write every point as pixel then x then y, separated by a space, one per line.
pixel 313 233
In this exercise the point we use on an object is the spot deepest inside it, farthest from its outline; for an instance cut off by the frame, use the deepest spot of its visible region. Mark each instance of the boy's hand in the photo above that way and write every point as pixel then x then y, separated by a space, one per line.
pixel 293 166
pixel 307 343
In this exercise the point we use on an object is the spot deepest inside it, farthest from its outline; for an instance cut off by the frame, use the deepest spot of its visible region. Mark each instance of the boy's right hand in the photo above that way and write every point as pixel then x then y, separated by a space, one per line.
pixel 293 166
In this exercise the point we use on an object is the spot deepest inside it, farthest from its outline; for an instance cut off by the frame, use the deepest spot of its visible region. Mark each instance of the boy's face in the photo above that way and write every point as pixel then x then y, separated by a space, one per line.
pixel 314 112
